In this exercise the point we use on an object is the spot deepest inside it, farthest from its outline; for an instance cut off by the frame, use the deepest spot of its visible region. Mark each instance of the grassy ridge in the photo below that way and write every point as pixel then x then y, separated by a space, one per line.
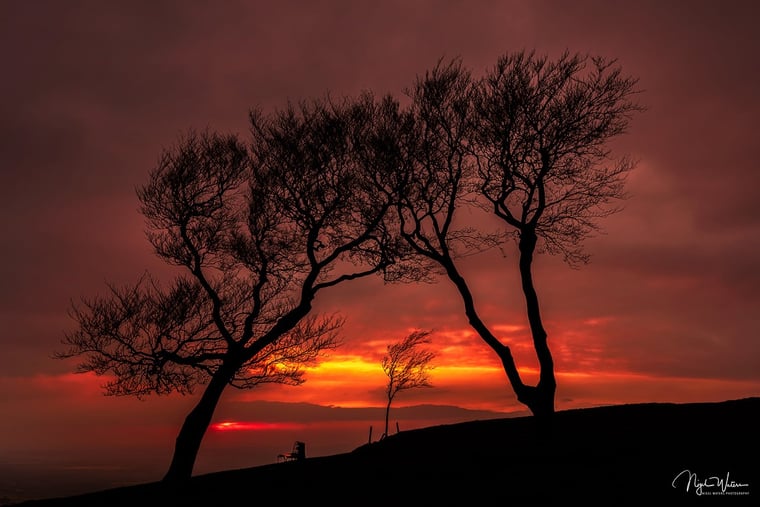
pixel 624 454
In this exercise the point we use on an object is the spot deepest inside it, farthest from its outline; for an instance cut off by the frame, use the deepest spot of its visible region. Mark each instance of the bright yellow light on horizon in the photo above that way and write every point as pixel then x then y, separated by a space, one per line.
pixel 354 365
pixel 357 371
pixel 357 368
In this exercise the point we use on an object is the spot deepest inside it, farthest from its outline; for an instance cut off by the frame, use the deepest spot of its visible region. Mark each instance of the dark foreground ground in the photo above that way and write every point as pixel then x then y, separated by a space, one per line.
pixel 618 455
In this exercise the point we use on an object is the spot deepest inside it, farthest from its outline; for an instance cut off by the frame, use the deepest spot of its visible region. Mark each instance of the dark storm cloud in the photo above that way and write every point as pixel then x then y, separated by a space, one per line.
pixel 698 76
pixel 92 91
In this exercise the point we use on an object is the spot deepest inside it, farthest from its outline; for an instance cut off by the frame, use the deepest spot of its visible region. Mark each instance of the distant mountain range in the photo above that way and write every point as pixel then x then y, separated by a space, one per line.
pixel 275 411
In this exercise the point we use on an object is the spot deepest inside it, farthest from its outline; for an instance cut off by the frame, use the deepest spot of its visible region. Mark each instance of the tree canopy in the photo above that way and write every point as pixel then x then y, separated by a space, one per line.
pixel 257 232
pixel 325 192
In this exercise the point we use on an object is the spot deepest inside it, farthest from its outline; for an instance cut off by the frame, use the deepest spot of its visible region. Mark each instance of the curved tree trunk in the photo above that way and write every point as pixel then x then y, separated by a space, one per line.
pixel 540 399
pixel 505 354
pixel 194 428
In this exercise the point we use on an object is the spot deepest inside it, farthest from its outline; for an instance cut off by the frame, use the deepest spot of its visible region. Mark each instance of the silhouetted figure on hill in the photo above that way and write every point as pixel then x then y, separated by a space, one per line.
pixel 297 454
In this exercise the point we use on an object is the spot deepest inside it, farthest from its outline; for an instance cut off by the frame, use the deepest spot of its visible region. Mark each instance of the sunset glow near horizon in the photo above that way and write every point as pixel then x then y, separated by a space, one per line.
pixel 666 311
pixel 253 426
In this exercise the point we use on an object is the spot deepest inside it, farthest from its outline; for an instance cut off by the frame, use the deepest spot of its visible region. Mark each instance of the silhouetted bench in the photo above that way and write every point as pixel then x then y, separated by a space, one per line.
pixel 297 454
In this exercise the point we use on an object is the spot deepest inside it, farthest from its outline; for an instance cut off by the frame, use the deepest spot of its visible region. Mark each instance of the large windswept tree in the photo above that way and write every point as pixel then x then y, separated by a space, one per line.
pixel 528 143
pixel 257 232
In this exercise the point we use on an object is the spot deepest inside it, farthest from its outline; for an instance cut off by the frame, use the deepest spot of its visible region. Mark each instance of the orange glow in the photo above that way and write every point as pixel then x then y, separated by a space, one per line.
pixel 352 381
pixel 351 364
pixel 254 426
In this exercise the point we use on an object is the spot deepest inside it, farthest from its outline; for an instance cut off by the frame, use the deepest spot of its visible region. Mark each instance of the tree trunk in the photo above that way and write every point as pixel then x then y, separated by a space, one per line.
pixel 387 416
pixel 194 428
pixel 540 399
pixel 504 353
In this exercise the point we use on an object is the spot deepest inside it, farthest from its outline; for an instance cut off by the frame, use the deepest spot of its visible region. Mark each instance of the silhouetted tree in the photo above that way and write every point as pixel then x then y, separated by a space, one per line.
pixel 407 367
pixel 526 143
pixel 258 232
pixel 540 138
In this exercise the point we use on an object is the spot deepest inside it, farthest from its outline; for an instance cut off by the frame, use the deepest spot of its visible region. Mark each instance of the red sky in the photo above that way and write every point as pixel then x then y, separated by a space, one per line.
pixel 667 310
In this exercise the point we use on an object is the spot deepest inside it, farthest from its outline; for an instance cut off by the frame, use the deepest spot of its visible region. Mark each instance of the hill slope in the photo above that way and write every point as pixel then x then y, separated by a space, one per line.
pixel 621 454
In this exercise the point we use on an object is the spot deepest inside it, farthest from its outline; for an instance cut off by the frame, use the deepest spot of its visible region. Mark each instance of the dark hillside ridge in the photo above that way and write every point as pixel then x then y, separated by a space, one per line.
pixel 614 455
